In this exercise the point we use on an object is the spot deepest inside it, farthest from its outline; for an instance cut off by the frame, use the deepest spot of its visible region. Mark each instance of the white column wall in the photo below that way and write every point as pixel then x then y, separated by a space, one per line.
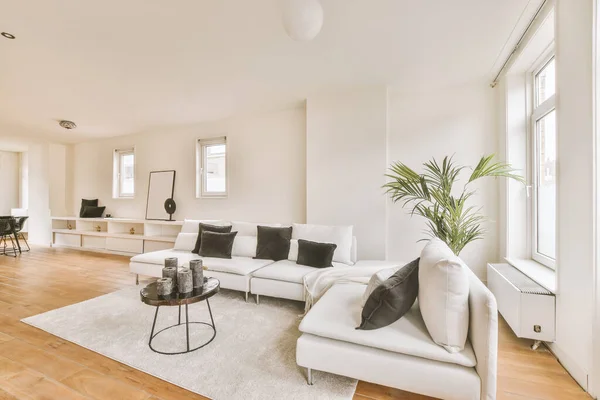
pixel 346 136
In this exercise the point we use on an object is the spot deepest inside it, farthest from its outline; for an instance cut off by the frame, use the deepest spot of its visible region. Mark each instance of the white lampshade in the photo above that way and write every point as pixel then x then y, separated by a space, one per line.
pixel 302 19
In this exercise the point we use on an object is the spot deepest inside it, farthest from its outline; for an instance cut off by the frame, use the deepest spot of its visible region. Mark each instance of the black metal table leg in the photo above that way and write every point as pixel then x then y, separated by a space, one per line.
pixel 212 321
pixel 187 328
pixel 153 325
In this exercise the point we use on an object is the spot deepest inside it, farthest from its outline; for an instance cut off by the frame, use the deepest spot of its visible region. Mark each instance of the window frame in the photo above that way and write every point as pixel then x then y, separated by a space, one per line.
pixel 118 155
pixel 201 145
pixel 537 112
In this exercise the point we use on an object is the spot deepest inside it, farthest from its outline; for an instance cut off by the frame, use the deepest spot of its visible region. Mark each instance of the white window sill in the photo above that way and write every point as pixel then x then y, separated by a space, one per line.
pixel 536 271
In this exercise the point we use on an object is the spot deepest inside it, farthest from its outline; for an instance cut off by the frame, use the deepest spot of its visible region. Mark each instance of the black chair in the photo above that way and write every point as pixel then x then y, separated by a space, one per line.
pixel 18 227
pixel 6 231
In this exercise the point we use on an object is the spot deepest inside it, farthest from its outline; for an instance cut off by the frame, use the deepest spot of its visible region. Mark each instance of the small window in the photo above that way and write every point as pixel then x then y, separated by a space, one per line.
pixel 124 173
pixel 543 138
pixel 211 167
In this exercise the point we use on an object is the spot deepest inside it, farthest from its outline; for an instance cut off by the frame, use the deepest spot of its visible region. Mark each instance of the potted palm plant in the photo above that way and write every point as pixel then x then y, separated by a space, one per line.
pixel 450 216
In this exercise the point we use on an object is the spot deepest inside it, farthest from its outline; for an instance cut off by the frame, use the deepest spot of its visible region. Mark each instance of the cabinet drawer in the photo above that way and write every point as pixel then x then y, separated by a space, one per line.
pixel 135 246
pixel 93 242
pixel 67 239
pixel 151 245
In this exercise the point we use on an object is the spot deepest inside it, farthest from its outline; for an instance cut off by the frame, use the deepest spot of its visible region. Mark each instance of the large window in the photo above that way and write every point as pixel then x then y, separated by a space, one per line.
pixel 543 129
pixel 124 173
pixel 211 167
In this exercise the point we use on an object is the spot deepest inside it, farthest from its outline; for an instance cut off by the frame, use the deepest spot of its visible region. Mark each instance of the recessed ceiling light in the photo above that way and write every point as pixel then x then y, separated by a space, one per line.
pixel 67 124
pixel 7 35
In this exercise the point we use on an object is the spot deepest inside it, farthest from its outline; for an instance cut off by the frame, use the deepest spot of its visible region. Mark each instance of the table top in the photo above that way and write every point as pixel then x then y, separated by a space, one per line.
pixel 149 296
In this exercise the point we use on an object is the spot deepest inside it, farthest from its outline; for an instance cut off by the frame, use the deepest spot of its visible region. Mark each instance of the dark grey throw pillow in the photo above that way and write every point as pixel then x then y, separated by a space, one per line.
pixel 208 228
pixel 392 299
pixel 92 212
pixel 217 245
pixel 313 254
pixel 85 202
pixel 273 243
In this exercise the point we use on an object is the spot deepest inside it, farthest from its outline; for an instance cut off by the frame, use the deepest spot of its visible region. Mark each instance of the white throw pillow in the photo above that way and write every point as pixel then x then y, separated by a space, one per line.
pixel 244 246
pixel 340 235
pixel 293 254
pixel 186 241
pixel 248 228
pixel 377 279
pixel 444 295
pixel 192 225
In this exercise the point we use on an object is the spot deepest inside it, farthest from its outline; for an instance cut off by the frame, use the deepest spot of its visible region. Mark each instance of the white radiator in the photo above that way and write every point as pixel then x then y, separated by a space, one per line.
pixel 528 307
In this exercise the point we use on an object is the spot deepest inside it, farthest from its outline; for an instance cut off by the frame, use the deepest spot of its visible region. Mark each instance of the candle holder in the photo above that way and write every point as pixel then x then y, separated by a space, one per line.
pixel 197 273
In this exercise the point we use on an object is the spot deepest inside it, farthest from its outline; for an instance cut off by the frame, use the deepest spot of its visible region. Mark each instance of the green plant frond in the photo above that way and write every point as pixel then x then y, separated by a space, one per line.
pixel 486 167
pixel 452 219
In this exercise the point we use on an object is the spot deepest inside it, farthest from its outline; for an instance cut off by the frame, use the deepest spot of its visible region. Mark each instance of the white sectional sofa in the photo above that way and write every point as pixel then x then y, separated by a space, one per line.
pixel 242 272
pixel 402 355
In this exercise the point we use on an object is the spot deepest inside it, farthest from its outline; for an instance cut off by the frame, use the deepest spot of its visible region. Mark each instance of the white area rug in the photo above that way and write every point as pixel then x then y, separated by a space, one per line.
pixel 252 357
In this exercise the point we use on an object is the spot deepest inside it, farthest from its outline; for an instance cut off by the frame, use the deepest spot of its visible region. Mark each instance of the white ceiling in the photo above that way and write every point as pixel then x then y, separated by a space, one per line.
pixel 117 67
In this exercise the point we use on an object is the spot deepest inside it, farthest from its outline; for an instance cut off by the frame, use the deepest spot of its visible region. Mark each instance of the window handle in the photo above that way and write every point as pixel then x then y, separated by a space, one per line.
pixel 528 188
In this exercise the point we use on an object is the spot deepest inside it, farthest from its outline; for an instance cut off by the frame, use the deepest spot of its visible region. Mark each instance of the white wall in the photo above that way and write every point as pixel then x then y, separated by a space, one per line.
pixel 9 176
pixel 458 121
pixel 575 191
pixel 40 227
pixel 345 164
pixel 267 163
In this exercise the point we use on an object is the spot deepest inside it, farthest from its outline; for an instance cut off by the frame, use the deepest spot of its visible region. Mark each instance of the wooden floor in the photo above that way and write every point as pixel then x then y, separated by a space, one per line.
pixel 37 365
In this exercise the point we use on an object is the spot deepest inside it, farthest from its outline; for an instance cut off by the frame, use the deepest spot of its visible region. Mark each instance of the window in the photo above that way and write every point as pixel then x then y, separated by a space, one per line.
pixel 543 130
pixel 124 173
pixel 211 167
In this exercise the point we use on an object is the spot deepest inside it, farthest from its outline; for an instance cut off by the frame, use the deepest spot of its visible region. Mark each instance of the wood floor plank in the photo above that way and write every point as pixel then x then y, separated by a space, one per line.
pixel 102 387
pixel 38 365
pixel 42 361
pixel 38 387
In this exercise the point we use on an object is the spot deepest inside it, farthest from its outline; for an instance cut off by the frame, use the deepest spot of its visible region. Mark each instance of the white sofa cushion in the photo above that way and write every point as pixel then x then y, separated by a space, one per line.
pixel 377 279
pixel 158 257
pixel 248 228
pixel 191 225
pixel 293 254
pixel 337 314
pixel 340 235
pixel 185 241
pixel 444 295
pixel 284 270
pixel 244 246
pixel 234 265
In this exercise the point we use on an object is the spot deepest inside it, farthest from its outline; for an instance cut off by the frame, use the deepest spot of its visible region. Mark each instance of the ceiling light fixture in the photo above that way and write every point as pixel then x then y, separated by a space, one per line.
pixel 302 19
pixel 67 124
pixel 8 35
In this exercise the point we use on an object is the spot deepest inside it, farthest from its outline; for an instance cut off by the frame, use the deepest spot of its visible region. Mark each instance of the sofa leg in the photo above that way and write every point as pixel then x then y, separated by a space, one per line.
pixel 246 297
pixel 309 378
pixel 257 300
pixel 137 279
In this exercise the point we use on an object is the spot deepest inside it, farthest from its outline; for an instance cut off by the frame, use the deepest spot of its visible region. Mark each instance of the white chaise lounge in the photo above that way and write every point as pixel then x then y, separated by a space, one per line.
pixel 403 354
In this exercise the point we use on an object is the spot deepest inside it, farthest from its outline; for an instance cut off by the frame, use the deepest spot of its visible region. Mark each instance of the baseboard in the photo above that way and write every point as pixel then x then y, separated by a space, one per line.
pixel 572 367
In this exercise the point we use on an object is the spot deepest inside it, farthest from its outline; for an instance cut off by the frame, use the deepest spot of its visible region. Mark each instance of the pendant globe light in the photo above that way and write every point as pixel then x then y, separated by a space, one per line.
pixel 302 19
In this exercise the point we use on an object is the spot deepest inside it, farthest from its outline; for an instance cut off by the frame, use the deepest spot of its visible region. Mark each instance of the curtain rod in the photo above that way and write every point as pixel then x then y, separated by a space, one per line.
pixel 519 42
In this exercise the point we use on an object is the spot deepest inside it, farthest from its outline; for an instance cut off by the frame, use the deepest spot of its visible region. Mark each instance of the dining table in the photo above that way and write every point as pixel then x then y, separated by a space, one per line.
pixel 13 221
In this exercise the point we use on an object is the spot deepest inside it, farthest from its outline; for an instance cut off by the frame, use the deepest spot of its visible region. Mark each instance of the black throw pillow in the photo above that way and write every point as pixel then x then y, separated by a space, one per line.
pixel 273 243
pixel 92 212
pixel 313 254
pixel 208 228
pixel 84 203
pixel 392 299
pixel 217 245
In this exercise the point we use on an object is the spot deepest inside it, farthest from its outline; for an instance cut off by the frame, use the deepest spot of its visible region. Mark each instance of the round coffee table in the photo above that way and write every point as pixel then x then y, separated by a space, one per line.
pixel 149 296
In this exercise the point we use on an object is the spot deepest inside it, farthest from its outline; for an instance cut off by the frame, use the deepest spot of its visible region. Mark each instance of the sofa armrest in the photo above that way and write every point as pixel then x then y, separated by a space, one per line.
pixel 483 334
